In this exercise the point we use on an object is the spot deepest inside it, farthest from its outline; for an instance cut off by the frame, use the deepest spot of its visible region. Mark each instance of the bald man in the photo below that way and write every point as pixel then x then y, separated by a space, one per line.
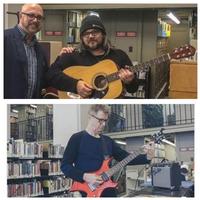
pixel 25 64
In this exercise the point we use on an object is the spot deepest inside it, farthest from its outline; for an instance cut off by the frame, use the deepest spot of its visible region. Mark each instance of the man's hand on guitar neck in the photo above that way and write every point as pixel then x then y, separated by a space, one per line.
pixel 126 75
pixel 83 89
pixel 92 178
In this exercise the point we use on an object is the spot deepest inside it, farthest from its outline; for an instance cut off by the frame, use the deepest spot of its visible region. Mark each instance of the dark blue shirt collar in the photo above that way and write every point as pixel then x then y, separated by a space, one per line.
pixel 25 35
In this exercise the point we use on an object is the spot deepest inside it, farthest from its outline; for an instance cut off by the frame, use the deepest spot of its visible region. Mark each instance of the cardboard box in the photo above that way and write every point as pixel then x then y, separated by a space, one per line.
pixel 182 95
pixel 183 80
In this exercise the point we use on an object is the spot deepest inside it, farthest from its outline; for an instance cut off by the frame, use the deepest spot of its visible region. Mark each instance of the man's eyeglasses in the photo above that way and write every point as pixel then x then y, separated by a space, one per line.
pixel 94 33
pixel 32 16
pixel 100 120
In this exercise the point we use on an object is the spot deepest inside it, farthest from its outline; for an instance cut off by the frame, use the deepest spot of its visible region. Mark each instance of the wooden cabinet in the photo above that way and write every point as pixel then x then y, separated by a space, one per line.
pixel 183 80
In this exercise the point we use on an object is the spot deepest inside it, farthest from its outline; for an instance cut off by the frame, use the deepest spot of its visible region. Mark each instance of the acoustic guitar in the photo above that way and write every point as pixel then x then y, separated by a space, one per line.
pixel 104 76
pixel 95 190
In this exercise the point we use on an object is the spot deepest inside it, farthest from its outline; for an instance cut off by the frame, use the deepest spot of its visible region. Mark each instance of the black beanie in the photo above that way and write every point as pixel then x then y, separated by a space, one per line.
pixel 90 22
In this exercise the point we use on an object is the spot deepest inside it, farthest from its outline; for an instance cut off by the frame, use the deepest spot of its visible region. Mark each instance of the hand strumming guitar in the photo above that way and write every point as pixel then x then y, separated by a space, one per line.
pixel 126 75
pixel 83 89
pixel 92 178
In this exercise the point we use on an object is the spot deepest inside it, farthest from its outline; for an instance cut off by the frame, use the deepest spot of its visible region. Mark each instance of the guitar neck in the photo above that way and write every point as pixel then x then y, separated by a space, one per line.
pixel 146 65
pixel 142 66
pixel 156 138
pixel 123 163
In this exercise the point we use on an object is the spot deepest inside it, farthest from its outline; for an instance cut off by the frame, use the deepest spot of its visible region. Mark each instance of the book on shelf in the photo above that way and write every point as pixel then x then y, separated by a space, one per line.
pixel 20 148
pixel 56 185
pixel 27 168
pixel 51 167
pixel 27 189
pixel 53 151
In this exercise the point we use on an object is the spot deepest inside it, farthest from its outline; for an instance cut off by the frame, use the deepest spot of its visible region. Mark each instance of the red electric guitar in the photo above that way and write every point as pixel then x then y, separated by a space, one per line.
pixel 95 190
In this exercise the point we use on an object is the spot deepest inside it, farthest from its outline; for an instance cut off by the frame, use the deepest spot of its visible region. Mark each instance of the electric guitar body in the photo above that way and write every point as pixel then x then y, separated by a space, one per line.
pixel 95 190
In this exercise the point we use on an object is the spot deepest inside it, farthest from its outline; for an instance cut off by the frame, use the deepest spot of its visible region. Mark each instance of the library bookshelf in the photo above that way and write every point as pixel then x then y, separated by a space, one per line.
pixel 33 169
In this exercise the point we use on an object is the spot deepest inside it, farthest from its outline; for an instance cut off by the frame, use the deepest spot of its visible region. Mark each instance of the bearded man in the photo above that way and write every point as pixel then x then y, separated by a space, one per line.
pixel 94 48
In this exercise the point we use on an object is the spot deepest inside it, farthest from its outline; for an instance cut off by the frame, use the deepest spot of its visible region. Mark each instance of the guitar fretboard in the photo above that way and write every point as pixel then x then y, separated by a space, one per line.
pixel 141 67
pixel 123 163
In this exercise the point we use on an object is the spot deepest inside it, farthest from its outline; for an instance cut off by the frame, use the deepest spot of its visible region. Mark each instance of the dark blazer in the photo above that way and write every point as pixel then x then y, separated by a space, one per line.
pixel 15 66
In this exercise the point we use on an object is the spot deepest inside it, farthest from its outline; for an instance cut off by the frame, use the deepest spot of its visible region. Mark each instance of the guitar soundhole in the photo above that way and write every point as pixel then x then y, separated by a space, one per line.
pixel 100 82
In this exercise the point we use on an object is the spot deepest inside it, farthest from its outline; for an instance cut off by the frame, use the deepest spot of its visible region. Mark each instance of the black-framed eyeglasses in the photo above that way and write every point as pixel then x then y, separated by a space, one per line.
pixel 32 16
pixel 94 33
pixel 100 120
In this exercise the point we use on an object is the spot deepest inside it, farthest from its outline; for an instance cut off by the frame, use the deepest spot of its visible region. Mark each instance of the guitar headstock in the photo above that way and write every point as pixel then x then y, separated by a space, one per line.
pixel 158 137
pixel 183 52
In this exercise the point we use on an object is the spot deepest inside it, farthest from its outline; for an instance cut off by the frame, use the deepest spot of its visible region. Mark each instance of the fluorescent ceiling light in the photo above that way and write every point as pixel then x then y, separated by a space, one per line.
pixel 173 18
pixel 120 142
pixel 15 111
pixel 33 106
pixel 168 142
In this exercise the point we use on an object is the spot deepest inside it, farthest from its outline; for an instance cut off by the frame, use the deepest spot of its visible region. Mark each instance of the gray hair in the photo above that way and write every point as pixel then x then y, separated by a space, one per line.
pixel 99 107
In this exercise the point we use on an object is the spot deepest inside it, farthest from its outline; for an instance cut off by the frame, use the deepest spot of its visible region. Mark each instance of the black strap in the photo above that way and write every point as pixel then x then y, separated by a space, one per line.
pixel 104 148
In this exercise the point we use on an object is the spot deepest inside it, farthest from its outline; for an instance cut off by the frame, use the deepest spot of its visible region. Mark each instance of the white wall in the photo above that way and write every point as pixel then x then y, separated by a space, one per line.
pixel 66 121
